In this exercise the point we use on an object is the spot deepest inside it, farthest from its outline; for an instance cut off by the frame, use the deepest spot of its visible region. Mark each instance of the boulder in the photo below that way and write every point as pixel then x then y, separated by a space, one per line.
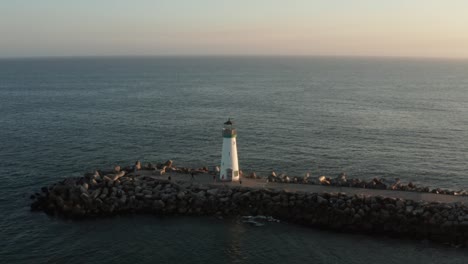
pixel 180 195
pixel 392 184
pixel 137 165
pixel 376 184
pixel 400 204
pixel 95 194
pixel 168 163
pixel 212 191
pixel 93 182
pixel 342 178
pixel 321 200
pixel 323 180
pixel 150 166
pixel 273 178
pixel 409 209
pixel 108 180
pixel 83 189
pixel 85 197
pixel 123 199
pixel 160 171
pixel 118 175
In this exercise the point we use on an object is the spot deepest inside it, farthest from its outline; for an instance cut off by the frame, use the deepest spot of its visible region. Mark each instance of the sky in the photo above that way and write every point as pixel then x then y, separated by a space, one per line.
pixel 402 28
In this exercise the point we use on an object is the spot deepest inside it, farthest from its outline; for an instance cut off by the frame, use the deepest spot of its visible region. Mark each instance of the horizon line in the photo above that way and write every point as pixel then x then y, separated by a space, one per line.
pixel 231 56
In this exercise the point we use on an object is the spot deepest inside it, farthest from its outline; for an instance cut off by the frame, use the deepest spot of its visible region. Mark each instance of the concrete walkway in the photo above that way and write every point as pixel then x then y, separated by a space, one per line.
pixel 291 187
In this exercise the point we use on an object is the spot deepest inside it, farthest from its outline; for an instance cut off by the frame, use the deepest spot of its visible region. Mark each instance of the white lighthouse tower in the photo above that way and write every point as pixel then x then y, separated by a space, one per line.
pixel 229 163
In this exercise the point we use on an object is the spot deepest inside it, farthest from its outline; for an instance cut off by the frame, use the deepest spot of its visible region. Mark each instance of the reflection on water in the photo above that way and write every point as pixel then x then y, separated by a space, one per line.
pixel 234 241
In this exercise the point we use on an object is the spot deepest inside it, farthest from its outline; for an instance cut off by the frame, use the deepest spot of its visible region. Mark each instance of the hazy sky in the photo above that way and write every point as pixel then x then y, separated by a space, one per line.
pixel 427 28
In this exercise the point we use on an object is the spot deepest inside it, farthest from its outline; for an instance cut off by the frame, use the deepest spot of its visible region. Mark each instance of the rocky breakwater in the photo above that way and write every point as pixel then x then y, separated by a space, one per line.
pixel 343 181
pixel 124 193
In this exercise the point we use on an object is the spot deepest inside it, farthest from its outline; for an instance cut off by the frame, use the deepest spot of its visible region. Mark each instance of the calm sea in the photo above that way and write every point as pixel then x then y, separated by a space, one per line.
pixel 392 118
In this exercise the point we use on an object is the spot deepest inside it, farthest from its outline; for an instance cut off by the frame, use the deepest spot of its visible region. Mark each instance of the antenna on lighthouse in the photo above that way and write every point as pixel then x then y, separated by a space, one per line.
pixel 229 162
pixel 229 122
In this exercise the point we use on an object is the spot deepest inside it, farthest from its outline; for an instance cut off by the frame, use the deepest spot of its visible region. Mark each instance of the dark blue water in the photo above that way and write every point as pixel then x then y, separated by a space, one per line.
pixel 367 117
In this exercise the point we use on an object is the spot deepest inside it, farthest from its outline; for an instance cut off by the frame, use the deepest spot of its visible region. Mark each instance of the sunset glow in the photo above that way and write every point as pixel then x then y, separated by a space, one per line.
pixel 357 28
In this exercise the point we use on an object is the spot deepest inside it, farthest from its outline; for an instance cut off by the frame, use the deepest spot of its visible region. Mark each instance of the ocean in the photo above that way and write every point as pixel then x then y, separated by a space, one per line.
pixel 368 117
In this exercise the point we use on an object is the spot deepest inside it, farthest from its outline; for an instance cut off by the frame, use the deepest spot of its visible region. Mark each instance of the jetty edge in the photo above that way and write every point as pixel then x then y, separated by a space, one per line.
pixel 130 191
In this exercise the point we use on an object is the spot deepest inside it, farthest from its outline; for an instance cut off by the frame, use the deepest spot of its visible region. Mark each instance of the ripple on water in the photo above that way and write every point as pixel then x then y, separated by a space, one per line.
pixel 370 118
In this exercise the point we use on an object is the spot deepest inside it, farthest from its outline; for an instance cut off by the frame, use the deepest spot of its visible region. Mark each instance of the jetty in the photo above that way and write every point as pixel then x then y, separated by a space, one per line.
pixel 167 190
pixel 207 179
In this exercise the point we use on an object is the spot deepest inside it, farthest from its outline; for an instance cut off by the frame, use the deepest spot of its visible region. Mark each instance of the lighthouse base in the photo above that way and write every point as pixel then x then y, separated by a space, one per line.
pixel 229 175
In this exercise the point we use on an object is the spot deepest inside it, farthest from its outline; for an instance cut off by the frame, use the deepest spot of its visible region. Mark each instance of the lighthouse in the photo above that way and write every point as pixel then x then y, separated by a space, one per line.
pixel 229 163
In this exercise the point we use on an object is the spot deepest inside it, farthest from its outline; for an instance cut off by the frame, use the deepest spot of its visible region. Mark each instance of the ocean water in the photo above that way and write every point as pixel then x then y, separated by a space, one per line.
pixel 368 117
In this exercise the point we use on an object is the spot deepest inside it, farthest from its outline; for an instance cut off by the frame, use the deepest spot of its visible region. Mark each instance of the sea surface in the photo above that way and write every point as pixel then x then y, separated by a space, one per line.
pixel 368 117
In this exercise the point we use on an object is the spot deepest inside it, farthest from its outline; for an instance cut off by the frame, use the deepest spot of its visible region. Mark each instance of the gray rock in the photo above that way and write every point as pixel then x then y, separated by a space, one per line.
pixel 95 194
pixel 418 211
pixel 409 209
pixel 224 200
pixel 168 163
pixel 361 212
pixel 400 204
pixel 321 200
pixel 83 189
pixel 85 197
pixel 212 191
pixel 137 165
pixel 108 177
pixel 357 217
pixel 93 182
pixel 150 166
pixel 180 195
pixel 118 175
pixel 342 178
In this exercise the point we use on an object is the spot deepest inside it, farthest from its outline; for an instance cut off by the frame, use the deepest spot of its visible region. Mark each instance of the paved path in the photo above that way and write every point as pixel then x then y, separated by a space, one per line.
pixel 262 183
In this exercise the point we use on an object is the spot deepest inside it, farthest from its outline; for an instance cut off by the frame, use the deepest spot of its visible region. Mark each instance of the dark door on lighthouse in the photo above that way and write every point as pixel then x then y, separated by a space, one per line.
pixel 228 174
